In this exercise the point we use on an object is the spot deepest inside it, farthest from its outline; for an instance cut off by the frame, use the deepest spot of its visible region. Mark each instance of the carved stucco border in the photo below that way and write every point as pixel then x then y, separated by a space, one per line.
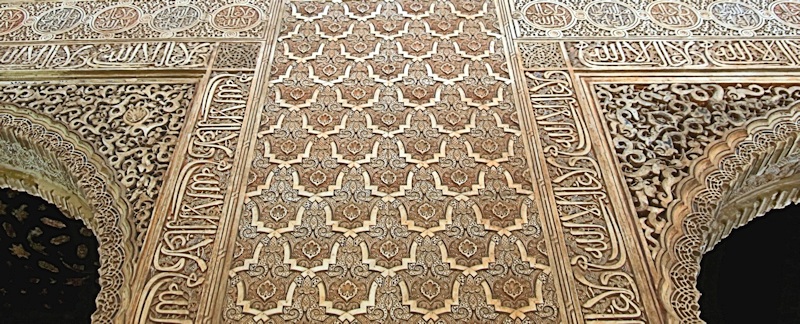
pixel 98 203
pixel 697 221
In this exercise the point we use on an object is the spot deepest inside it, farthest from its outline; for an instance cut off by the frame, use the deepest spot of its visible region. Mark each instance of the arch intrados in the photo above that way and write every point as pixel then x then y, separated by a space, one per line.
pixel 79 183
pixel 695 216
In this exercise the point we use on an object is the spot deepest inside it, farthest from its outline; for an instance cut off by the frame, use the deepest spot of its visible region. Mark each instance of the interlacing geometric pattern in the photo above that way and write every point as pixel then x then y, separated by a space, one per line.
pixel 390 181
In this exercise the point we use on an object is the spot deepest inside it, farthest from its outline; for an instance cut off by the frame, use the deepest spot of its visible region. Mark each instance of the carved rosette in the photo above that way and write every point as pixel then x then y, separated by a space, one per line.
pixel 12 19
pixel 674 15
pixel 787 11
pixel 116 19
pixel 736 15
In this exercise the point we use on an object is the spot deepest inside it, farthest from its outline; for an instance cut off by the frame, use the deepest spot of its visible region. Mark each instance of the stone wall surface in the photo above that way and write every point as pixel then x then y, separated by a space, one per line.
pixel 421 161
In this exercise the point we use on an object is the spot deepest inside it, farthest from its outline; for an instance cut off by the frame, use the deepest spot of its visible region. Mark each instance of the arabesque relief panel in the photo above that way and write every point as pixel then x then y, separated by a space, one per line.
pixel 390 180
pixel 135 127
pixel 414 160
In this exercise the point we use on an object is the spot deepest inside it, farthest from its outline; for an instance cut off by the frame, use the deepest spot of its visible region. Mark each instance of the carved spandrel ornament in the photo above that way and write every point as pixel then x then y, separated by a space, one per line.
pixel 409 107
pixel 659 130
pixel 98 202
pixel 136 129
pixel 709 207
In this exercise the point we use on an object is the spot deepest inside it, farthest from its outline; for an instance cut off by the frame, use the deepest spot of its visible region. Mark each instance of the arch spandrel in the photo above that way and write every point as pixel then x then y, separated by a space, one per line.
pixel 752 172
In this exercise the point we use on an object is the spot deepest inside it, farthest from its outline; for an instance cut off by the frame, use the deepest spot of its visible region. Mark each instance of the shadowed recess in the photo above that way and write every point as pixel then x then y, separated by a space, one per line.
pixel 49 263
pixel 753 276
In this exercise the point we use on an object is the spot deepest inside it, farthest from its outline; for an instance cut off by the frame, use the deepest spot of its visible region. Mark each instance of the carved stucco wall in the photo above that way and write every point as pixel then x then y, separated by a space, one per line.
pixel 410 160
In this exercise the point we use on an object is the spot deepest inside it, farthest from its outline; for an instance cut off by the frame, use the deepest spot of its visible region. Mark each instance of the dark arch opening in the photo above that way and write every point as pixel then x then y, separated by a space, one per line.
pixel 48 263
pixel 753 275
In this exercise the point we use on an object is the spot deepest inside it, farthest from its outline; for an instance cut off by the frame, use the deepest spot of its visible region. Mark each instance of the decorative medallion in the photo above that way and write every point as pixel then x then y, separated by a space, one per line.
pixel 176 18
pixel 611 15
pixel 549 15
pixel 59 20
pixel 673 15
pixel 787 11
pixel 735 15
pixel 116 19
pixel 236 17
pixel 11 19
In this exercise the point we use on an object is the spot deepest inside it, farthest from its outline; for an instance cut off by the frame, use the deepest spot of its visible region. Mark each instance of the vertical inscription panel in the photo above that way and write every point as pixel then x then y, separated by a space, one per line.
pixel 178 272
pixel 602 277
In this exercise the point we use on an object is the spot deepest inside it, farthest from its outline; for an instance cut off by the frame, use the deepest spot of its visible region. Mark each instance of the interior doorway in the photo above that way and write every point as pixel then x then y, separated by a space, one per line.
pixel 753 275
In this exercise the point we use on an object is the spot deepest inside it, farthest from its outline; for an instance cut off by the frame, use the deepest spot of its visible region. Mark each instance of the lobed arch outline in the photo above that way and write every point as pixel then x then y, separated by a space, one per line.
pixel 726 189
pixel 91 194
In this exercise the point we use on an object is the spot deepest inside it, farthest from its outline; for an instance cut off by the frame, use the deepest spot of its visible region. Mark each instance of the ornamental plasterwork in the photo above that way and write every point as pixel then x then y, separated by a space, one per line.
pixel 99 20
pixel 66 153
pixel 134 127
pixel 654 19
pixel 389 181
pixel 412 160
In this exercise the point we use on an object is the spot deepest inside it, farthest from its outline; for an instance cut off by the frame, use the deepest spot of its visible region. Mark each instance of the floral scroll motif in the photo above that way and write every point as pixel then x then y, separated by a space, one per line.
pixel 659 131
pixel 136 129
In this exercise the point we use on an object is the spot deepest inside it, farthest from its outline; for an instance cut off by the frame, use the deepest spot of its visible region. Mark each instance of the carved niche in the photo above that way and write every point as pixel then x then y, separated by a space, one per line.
pixel 44 158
